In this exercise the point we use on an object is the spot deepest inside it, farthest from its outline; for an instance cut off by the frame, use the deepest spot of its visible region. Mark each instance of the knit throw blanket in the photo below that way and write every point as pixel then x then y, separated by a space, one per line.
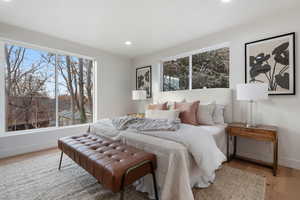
pixel 145 124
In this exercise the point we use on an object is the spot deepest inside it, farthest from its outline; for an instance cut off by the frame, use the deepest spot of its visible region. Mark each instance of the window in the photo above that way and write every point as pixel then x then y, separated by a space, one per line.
pixel 44 89
pixel 211 69
pixel 176 74
pixel 206 68
pixel 75 97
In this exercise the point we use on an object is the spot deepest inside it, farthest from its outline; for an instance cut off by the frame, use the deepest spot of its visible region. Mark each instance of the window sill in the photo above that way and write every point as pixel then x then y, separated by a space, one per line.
pixel 41 130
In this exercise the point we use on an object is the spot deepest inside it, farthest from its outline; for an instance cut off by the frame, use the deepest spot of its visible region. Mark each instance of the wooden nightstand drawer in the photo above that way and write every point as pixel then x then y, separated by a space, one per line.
pixel 253 134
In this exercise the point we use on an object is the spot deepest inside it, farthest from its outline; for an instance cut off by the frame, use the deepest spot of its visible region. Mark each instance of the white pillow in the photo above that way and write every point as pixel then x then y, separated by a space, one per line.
pixel 205 113
pixel 171 104
pixel 218 115
pixel 162 114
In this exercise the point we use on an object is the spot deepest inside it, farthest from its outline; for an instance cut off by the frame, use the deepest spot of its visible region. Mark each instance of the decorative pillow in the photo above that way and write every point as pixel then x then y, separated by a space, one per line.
pixel 218 115
pixel 163 106
pixel 188 112
pixel 162 114
pixel 205 113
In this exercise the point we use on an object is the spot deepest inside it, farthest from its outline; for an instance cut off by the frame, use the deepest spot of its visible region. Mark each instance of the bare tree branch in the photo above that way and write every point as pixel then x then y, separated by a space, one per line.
pixel 81 92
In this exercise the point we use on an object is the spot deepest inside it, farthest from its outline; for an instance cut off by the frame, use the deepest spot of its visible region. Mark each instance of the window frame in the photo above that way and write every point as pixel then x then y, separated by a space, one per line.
pixel 3 66
pixel 190 55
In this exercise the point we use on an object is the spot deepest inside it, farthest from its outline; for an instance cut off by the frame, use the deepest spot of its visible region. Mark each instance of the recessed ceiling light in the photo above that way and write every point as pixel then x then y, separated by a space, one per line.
pixel 7 0
pixel 128 43
pixel 226 1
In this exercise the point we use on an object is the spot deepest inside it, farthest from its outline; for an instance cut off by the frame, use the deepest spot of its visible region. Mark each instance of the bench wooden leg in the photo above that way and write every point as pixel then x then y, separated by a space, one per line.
pixel 61 156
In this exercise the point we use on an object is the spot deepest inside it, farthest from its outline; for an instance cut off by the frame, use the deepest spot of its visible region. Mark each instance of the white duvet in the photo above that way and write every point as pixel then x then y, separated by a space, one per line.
pixel 174 166
pixel 201 144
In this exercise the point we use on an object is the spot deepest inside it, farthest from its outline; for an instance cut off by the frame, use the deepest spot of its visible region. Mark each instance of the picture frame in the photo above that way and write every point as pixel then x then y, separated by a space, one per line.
pixel 144 80
pixel 272 61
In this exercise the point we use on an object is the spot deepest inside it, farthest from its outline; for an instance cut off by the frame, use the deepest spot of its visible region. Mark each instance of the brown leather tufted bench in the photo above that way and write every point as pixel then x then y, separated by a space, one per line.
pixel 112 163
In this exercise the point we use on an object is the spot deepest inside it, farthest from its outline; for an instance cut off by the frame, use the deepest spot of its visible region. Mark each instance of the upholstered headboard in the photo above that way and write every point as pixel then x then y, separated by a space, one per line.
pixel 220 95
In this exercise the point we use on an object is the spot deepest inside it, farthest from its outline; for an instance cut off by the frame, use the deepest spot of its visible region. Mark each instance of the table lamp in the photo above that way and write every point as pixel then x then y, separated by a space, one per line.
pixel 252 92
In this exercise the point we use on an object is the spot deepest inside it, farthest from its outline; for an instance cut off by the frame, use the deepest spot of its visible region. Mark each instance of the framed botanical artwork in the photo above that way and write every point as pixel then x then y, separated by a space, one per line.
pixel 272 61
pixel 144 79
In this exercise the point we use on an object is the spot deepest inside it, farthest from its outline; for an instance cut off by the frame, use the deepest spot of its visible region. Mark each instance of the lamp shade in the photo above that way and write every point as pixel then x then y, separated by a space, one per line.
pixel 139 95
pixel 252 92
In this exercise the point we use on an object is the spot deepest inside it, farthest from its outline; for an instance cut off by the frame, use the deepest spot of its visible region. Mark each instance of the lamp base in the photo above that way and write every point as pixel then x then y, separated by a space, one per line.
pixel 250 122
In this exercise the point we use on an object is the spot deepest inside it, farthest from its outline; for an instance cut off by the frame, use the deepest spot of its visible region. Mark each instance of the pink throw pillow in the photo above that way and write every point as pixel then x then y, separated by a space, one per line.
pixel 163 106
pixel 188 112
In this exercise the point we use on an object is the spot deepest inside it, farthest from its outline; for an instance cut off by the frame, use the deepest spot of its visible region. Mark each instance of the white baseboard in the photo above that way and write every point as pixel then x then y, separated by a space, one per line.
pixel 286 162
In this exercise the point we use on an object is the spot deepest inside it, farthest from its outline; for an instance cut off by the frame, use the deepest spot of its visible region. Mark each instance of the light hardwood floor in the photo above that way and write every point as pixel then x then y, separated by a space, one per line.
pixel 285 186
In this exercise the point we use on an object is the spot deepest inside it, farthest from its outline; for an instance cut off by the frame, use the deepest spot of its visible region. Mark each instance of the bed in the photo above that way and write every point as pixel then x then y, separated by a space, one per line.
pixel 177 171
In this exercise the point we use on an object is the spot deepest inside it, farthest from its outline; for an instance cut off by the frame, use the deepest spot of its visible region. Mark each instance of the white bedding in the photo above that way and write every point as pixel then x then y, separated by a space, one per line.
pixel 177 171
pixel 218 132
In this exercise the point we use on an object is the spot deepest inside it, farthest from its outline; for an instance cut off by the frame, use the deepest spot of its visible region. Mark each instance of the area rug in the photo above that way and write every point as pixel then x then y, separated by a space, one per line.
pixel 37 178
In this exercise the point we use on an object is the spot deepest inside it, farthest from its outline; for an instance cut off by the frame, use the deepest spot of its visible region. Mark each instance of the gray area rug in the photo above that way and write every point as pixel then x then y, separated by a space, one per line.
pixel 38 179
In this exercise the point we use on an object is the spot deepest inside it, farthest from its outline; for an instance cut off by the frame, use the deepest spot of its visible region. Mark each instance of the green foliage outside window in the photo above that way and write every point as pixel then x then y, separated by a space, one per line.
pixel 211 69
pixel 176 74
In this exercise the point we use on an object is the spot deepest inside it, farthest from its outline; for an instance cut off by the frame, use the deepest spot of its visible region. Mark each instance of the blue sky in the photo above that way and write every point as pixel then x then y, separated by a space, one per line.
pixel 33 57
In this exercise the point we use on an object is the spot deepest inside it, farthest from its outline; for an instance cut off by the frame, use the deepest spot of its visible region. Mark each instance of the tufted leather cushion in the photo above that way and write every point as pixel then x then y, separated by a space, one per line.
pixel 105 159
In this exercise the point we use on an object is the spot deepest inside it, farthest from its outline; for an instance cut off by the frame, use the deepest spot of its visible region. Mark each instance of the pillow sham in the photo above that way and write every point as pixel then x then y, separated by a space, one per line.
pixel 162 114
pixel 218 115
pixel 188 112
pixel 163 106
pixel 205 113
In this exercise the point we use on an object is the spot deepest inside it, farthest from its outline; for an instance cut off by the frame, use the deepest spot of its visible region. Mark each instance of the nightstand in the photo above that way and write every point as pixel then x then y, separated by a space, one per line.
pixel 137 115
pixel 259 133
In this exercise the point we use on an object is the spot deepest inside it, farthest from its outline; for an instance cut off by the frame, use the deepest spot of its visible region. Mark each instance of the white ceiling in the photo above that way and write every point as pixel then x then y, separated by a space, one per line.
pixel 151 25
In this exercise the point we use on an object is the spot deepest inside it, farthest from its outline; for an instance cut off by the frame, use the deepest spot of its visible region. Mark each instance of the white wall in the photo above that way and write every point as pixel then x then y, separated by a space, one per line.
pixel 283 111
pixel 114 84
